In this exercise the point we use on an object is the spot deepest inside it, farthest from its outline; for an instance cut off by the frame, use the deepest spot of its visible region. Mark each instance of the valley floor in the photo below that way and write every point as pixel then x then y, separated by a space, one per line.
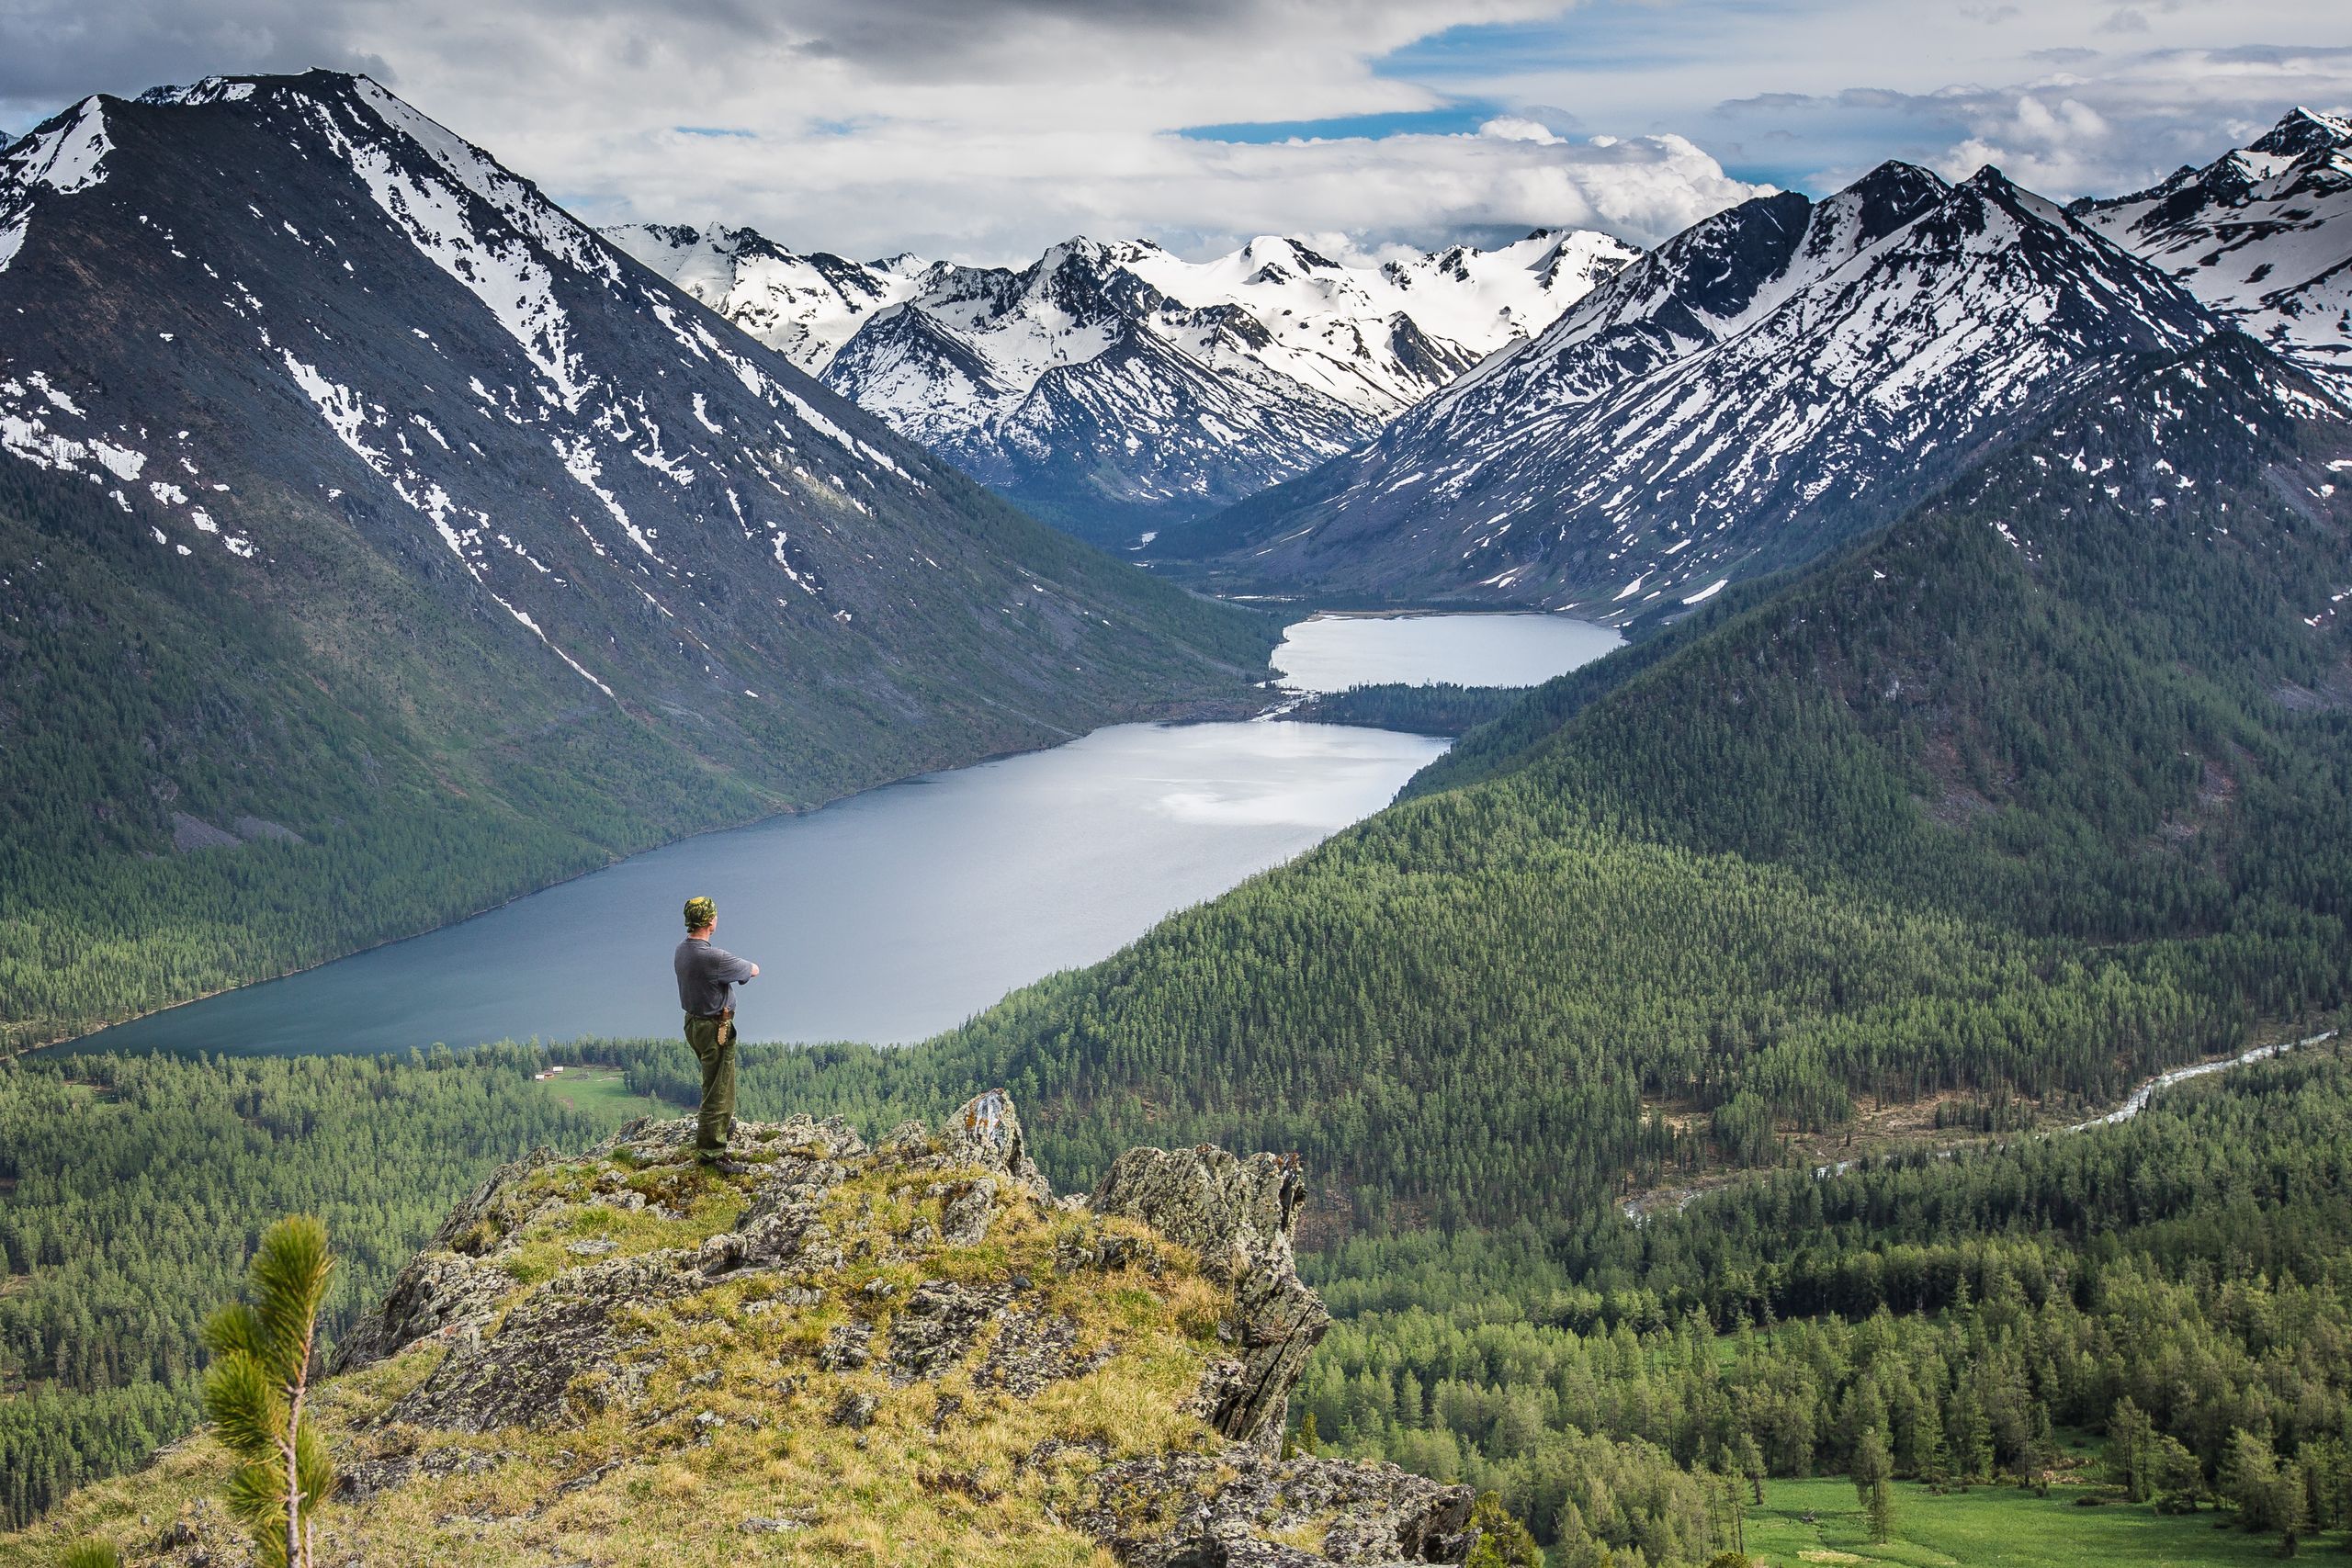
pixel 1990 1527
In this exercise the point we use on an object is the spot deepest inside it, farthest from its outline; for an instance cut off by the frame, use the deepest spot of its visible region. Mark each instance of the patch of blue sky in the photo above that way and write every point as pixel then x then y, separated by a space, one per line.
pixel 1453 120
pixel 813 128
pixel 1817 143
pixel 1571 72
pixel 1613 35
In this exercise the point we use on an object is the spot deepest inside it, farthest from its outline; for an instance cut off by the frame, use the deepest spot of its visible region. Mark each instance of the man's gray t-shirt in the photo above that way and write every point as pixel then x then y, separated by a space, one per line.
pixel 708 976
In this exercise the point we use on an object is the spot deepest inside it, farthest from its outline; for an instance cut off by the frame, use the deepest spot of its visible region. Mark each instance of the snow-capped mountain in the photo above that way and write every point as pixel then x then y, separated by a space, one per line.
pixel 1115 387
pixel 2263 236
pixel 1770 382
pixel 803 307
pixel 320 353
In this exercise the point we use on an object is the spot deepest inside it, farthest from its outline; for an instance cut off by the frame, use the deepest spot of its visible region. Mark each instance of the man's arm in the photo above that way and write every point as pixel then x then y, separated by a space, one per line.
pixel 734 971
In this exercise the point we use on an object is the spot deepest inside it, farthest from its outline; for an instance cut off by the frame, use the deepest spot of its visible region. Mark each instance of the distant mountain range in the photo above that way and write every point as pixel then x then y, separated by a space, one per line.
pixel 1788 373
pixel 1772 380
pixel 1115 389
pixel 527 527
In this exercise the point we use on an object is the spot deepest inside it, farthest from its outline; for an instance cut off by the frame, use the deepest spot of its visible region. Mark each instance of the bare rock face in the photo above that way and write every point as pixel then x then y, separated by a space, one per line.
pixel 449 1289
pixel 1239 1215
pixel 931 1266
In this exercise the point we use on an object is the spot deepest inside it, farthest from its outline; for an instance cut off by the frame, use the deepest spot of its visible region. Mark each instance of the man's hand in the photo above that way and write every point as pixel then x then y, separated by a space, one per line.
pixel 755 971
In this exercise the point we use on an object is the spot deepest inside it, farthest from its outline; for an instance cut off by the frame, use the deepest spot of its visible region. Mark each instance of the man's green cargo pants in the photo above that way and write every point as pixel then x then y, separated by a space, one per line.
pixel 713 1040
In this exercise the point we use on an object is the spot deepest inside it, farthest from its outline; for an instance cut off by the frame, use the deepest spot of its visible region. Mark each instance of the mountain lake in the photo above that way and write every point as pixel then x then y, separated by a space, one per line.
pixel 897 913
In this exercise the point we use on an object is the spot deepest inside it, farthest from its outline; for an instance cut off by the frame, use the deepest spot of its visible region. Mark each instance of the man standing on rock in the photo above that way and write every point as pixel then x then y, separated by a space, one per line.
pixel 708 976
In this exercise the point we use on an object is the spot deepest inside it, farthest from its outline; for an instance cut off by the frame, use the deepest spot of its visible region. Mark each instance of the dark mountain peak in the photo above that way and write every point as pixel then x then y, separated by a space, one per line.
pixel 1759 226
pixel 1988 190
pixel 317 84
pixel 674 233
pixel 1893 193
pixel 750 243
pixel 1091 280
pixel 2300 132
pixel 1716 264
pixel 211 90
pixel 1989 182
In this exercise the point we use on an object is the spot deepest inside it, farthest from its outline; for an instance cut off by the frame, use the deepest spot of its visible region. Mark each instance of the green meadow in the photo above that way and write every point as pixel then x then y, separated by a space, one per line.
pixel 1994 1527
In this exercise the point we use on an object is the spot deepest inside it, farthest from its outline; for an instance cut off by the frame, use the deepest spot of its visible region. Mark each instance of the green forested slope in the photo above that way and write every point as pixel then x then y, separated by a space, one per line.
pixel 1948 813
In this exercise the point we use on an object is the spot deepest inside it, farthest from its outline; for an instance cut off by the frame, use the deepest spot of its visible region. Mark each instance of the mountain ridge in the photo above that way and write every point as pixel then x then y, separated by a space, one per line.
pixel 1775 378
pixel 2263 234
pixel 1113 387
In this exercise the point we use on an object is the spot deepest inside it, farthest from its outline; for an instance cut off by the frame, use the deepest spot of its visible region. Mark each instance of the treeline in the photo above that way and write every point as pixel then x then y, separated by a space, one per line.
pixel 1475 1007
pixel 134 1189
pixel 2180 1284
pixel 1441 707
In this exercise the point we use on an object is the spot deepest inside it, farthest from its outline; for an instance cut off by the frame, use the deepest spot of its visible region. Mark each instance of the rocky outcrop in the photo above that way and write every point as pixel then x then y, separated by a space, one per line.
pixel 1239 1215
pixel 885 1293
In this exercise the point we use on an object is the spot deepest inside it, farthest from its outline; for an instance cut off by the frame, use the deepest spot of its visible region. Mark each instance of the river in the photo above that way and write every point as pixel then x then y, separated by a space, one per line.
pixel 901 912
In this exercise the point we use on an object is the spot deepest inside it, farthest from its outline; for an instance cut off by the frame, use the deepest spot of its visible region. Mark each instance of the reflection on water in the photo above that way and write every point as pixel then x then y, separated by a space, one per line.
pixel 888 916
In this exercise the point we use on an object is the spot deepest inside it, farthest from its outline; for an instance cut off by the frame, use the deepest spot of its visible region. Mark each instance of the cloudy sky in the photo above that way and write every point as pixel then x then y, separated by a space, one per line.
pixel 982 130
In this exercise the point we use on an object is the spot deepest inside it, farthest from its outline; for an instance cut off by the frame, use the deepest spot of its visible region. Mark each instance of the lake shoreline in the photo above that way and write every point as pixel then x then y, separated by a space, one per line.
pixel 1147 828
pixel 1190 712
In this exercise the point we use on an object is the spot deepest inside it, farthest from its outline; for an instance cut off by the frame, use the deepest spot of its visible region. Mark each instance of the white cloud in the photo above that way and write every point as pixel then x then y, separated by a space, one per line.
pixel 1199 195
pixel 1810 93
pixel 984 129
pixel 2117 126
pixel 977 128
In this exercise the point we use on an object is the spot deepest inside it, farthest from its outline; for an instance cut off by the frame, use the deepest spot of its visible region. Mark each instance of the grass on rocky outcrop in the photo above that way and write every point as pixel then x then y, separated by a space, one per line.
pixel 718 1438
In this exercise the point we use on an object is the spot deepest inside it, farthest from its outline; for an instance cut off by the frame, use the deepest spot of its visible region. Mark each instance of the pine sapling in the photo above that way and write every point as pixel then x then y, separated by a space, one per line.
pixel 256 1392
